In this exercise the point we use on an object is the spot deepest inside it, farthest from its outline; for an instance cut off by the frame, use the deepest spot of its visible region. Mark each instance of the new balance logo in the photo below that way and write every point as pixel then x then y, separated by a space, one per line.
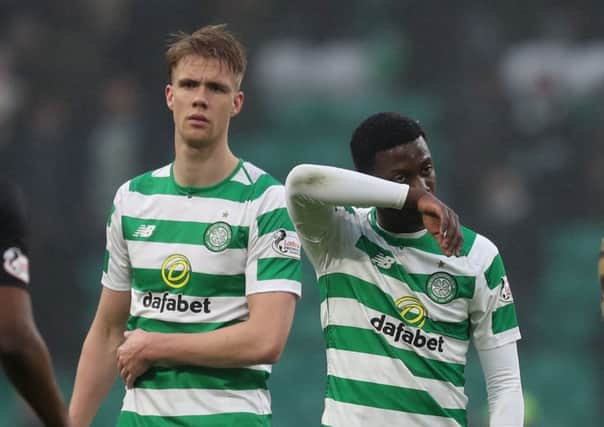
pixel 144 231
pixel 383 261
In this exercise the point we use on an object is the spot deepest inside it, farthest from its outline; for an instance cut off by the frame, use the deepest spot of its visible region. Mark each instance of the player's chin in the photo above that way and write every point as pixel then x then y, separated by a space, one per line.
pixel 197 140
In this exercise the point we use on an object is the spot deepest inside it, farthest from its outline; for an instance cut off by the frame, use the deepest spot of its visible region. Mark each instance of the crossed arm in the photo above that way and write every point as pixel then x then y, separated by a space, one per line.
pixel 260 339
pixel 109 350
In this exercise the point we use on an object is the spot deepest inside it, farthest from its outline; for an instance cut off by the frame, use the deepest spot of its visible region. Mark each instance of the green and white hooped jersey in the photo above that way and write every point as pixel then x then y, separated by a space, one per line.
pixel 189 257
pixel 397 318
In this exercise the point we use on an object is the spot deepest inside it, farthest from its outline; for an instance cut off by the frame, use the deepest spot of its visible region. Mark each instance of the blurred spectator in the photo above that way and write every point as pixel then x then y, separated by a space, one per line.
pixel 115 145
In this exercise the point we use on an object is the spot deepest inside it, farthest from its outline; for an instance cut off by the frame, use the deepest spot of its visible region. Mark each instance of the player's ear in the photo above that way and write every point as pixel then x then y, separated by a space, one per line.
pixel 169 96
pixel 237 103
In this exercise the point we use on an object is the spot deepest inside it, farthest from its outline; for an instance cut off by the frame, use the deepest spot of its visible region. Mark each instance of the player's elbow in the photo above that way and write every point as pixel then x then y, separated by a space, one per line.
pixel 271 354
pixel 17 342
pixel 302 177
pixel 269 351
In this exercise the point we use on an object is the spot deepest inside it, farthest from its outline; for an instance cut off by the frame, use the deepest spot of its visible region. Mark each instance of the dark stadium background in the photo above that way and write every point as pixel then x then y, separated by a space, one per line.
pixel 510 93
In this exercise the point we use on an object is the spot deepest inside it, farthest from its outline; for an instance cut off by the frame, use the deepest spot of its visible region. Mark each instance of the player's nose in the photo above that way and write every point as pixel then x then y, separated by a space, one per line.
pixel 200 99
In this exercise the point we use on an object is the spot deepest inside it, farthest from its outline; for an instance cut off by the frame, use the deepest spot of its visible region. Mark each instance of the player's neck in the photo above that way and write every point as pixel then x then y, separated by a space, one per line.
pixel 399 221
pixel 203 166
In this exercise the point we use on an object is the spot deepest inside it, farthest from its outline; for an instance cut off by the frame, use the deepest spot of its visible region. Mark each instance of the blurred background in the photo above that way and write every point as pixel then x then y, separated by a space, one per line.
pixel 511 95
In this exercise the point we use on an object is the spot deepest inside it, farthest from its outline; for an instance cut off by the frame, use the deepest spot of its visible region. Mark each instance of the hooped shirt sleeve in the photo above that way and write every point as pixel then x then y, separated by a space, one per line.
pixel 273 261
pixel 319 199
pixel 116 261
pixel 492 310
pixel 13 238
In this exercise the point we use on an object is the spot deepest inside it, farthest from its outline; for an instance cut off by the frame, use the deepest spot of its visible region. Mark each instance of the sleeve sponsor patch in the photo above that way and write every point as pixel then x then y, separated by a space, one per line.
pixel 506 291
pixel 286 243
pixel 16 264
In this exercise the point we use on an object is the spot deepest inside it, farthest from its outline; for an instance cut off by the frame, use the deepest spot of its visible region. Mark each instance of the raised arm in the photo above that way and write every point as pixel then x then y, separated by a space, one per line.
pixel 312 191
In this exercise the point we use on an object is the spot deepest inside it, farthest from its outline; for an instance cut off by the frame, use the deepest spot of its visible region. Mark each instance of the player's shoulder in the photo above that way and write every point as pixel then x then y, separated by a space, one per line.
pixel 149 181
pixel 479 249
pixel 262 184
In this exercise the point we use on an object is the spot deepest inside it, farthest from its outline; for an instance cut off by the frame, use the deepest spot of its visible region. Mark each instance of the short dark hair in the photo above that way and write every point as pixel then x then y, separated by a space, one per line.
pixel 379 132
pixel 211 41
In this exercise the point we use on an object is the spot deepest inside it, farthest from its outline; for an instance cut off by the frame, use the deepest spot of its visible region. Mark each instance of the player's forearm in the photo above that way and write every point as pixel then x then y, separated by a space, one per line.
pixel 504 389
pixel 29 367
pixel 343 187
pixel 234 346
pixel 96 373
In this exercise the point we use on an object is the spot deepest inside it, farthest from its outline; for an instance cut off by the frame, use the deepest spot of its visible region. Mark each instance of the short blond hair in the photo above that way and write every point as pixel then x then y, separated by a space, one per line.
pixel 211 41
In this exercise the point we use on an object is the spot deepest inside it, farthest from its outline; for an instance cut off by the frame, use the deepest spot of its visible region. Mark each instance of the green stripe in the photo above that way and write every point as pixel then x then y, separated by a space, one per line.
pixel 147 184
pixel 504 318
pixel 345 286
pixel 426 243
pixel 110 215
pixel 154 325
pixel 389 397
pixel 274 220
pixel 185 232
pixel 417 282
pixel 194 377
pixel 106 257
pixel 130 419
pixel 495 272
pixel 200 284
pixel 366 341
pixel 279 268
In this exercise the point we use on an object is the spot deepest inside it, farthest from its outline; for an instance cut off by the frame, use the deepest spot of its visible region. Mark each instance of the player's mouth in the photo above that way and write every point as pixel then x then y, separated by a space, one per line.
pixel 198 120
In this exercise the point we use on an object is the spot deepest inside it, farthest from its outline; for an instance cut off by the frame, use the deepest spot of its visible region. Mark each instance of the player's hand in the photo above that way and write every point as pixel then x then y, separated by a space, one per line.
pixel 131 359
pixel 441 222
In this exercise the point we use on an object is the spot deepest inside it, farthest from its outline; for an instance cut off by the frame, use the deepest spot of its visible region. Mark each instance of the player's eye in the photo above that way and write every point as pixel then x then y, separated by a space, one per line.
pixel 217 88
pixel 188 84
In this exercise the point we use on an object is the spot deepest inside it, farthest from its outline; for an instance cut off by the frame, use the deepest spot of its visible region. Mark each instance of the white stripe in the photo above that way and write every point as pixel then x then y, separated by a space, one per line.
pixel 181 208
pixel 162 172
pixel 254 171
pixel 277 285
pixel 349 312
pixel 455 311
pixel 482 253
pixel 241 177
pixel 389 371
pixel 153 254
pixel 417 261
pixel 221 309
pixel 339 414
pixel 273 198
pixel 176 402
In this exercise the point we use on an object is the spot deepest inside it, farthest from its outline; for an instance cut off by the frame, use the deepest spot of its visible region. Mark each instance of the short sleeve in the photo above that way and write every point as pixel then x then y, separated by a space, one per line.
pixel 492 310
pixel 116 262
pixel 273 262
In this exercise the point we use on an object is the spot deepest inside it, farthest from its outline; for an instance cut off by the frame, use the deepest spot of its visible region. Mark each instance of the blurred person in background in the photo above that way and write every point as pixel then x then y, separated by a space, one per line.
pixel 398 312
pixel 202 266
pixel 23 353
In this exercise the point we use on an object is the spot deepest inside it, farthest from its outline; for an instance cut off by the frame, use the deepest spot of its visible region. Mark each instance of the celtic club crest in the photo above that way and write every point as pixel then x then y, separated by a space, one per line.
pixel 441 287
